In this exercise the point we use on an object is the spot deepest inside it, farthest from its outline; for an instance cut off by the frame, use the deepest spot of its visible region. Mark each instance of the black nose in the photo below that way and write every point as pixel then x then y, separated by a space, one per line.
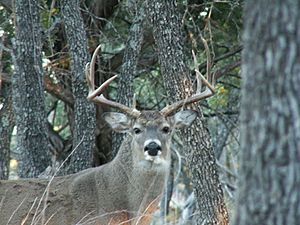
pixel 152 148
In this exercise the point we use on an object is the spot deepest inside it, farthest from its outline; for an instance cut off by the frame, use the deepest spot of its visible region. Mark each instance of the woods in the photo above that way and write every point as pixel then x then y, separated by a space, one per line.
pixel 237 163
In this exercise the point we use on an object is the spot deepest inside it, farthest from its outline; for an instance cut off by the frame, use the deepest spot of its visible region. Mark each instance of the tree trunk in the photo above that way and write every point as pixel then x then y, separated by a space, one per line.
pixel 167 32
pixel 84 127
pixel 270 115
pixel 6 128
pixel 28 91
pixel 129 66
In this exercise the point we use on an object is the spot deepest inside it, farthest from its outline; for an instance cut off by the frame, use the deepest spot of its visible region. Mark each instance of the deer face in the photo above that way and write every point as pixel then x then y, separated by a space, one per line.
pixel 151 132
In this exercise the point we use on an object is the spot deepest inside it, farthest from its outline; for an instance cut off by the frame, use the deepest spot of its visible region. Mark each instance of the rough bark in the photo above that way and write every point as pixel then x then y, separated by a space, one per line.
pixel 168 37
pixel 84 127
pixel 129 67
pixel 28 91
pixel 6 127
pixel 270 115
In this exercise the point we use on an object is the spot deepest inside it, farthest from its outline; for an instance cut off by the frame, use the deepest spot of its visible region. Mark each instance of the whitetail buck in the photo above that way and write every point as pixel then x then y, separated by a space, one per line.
pixel 125 191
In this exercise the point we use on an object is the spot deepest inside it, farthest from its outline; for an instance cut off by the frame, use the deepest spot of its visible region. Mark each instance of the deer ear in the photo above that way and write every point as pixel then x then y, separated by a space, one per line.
pixel 119 122
pixel 184 118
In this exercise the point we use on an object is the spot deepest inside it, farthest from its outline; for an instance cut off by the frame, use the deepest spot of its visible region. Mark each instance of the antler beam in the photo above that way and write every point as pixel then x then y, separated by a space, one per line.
pixel 96 96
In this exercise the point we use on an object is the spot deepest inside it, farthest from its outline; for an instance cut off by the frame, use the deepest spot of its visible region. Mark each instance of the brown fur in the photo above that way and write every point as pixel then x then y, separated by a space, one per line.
pixel 71 199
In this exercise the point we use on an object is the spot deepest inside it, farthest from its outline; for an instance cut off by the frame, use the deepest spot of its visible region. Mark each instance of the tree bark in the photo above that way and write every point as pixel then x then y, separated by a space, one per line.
pixel 6 128
pixel 84 128
pixel 168 37
pixel 270 115
pixel 129 66
pixel 28 91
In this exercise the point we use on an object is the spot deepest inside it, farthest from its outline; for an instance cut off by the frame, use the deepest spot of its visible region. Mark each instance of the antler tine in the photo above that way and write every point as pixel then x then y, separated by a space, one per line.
pixel 209 83
pixel 199 75
pixel 96 95
pixel 210 76
pixel 90 72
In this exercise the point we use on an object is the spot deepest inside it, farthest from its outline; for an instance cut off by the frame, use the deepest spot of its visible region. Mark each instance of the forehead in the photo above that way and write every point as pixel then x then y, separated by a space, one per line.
pixel 151 118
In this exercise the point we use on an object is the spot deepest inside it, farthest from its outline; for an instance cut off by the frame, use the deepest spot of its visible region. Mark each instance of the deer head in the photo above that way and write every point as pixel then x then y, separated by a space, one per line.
pixel 151 133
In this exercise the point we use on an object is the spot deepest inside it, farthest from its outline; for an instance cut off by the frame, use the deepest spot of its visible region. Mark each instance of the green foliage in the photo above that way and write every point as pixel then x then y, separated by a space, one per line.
pixel 6 34
pixel 58 116
pixel 6 23
pixel 220 99
pixel 150 91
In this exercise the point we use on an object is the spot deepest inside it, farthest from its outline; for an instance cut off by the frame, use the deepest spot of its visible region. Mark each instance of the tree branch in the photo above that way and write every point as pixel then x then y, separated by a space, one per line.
pixel 54 89
pixel 221 57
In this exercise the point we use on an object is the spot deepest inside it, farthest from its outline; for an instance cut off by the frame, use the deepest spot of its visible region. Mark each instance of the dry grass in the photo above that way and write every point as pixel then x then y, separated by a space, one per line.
pixel 36 214
pixel 39 217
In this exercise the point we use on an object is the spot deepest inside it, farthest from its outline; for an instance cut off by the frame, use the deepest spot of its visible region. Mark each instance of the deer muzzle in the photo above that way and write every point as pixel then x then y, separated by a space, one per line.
pixel 152 147
pixel 152 150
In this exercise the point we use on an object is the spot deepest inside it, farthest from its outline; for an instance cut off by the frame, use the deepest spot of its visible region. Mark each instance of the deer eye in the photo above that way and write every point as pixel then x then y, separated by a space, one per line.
pixel 166 130
pixel 137 130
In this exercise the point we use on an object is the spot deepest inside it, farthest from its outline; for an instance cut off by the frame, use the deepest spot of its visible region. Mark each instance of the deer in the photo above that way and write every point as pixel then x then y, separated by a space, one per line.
pixel 126 190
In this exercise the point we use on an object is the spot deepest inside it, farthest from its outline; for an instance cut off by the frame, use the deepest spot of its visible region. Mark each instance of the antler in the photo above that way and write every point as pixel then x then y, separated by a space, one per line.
pixel 97 96
pixel 209 82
